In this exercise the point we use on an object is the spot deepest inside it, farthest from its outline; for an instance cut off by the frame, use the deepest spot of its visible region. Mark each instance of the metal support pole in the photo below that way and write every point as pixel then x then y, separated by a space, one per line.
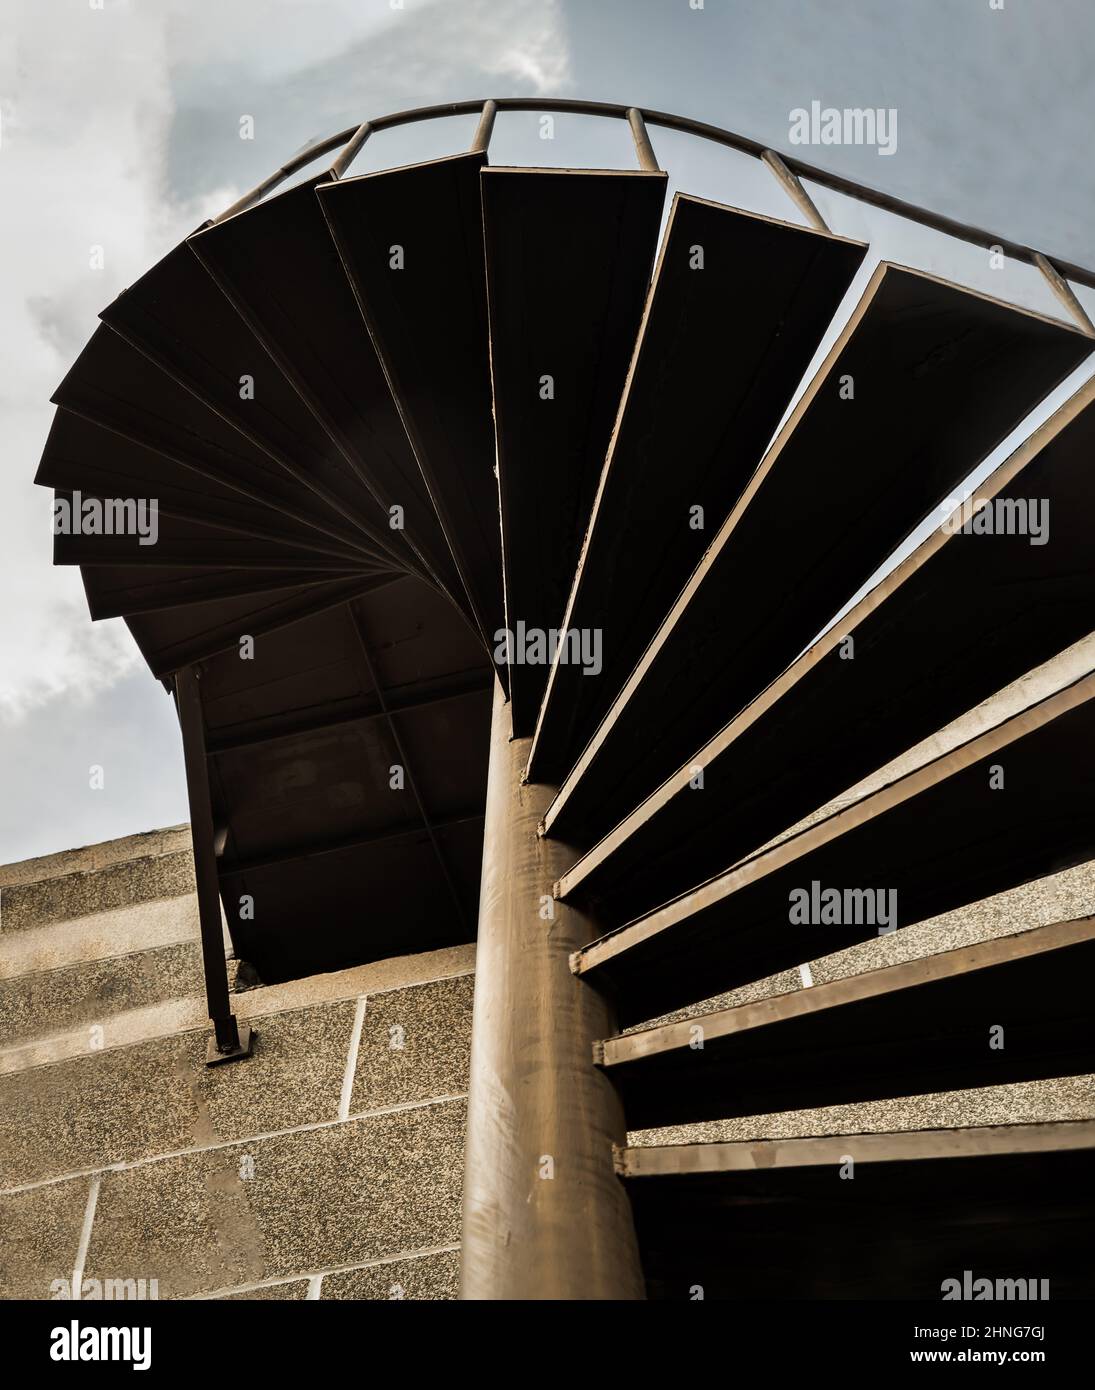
pixel 229 1041
pixel 545 1215
pixel 792 185
pixel 1063 290
pixel 648 160
pixel 481 139
pixel 349 151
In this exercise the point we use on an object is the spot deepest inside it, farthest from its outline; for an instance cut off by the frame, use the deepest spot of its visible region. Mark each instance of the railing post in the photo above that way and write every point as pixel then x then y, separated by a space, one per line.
pixel 230 1040
pixel 481 139
pixel 545 1215
pixel 792 186
pixel 648 161
pixel 349 151
pixel 1063 290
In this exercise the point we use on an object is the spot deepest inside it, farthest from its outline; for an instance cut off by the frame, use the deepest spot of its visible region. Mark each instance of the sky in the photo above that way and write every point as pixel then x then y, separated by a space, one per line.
pixel 120 128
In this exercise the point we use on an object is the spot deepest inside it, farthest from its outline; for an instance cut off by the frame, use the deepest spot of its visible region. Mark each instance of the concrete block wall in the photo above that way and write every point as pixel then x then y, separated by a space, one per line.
pixel 328 1165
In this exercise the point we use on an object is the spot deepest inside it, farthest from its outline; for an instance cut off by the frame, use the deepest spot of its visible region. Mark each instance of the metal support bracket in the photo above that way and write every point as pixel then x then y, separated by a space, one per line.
pixel 217 1052
pixel 229 1041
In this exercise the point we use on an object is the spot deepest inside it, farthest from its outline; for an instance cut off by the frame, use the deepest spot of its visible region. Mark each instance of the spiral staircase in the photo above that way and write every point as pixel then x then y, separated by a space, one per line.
pixel 388 418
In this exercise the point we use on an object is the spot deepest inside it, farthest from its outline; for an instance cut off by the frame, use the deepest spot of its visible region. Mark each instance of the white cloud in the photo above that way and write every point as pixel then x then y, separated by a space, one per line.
pixel 88 101
pixel 537 54
pixel 86 106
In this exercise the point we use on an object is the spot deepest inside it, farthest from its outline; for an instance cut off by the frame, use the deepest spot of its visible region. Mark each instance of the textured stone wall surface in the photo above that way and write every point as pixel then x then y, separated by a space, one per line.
pixel 327 1165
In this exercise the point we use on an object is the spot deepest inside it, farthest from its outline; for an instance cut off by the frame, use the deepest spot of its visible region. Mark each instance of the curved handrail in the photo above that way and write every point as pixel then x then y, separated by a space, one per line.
pixel 637 118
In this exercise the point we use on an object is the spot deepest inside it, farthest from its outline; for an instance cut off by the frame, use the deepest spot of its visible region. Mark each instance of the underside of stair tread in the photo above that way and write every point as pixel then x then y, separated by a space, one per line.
pixel 195 545
pixel 937 838
pixel 112 600
pixel 569 255
pixel 738 306
pixel 866 1216
pixel 959 619
pixel 411 241
pixel 172 638
pixel 164 418
pixel 311 325
pixel 180 319
pixel 368 829
pixel 957 372
pixel 99 462
pixel 1011 1009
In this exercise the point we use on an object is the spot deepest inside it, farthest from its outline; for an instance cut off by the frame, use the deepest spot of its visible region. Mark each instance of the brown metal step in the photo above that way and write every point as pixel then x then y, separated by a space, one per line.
pixel 915 1028
pixel 785 1219
pixel 723 345
pixel 940 376
pixel 945 834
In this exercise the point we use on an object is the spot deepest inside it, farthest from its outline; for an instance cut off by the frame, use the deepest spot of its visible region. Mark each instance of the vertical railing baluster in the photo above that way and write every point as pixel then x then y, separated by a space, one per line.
pixel 483 131
pixel 648 161
pixel 792 186
pixel 350 149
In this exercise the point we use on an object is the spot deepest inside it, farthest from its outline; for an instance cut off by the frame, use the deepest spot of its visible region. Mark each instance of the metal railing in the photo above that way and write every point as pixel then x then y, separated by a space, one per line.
pixel 787 169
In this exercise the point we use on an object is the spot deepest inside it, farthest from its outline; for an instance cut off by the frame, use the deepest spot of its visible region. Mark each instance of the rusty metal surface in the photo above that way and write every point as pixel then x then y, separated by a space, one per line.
pixel 545 1216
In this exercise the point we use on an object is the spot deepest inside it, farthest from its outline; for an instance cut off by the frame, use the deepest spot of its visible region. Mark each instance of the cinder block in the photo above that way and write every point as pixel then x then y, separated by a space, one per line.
pixel 155 1097
pixel 293 1291
pixel 46 1002
pixel 415 1044
pixel 39 1237
pixel 80 894
pixel 262 1209
pixel 100 856
pixel 432 1277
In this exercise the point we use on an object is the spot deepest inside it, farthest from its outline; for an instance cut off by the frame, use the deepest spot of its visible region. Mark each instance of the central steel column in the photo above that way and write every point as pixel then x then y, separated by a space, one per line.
pixel 545 1215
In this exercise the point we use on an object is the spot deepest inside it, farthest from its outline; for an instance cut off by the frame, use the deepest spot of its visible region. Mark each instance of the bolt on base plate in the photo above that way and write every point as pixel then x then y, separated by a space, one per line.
pixel 214 1056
